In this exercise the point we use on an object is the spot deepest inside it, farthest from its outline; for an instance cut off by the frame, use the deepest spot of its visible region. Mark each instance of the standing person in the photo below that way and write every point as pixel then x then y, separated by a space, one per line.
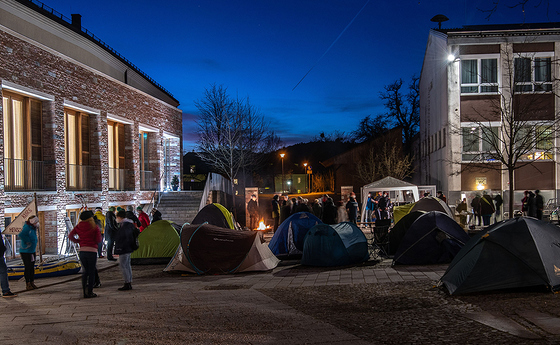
pixel 275 211
pixel 88 235
pixel 28 247
pixel 341 212
pixel 352 209
pixel 524 206
pixel 475 204
pixel 462 210
pixel 285 209
pixel 329 212
pixel 130 215
pixel 6 293
pixel 317 209
pixel 499 202
pixel 156 215
pixel 124 239
pixel 531 205
pixel 441 196
pixel 253 210
pixel 369 207
pixel 486 208
pixel 111 228
pixel 382 207
pixel 143 218
pixel 101 219
pixel 539 203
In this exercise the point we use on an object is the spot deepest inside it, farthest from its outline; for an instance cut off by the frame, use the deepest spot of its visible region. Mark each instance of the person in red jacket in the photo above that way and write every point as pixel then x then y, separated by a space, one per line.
pixel 88 236
pixel 143 218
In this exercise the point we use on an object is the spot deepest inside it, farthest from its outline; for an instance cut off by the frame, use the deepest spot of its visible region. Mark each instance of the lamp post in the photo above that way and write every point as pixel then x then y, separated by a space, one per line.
pixel 282 156
pixel 305 171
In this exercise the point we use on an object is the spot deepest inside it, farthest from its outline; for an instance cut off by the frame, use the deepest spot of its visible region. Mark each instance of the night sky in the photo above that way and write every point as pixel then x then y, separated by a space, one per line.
pixel 261 49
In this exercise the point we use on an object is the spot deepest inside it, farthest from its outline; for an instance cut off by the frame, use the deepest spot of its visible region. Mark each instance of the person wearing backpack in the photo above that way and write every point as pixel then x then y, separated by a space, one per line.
pixel 125 240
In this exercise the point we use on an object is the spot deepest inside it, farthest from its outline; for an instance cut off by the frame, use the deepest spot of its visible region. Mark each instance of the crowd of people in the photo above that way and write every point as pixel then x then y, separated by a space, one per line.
pixel 119 228
pixel 324 208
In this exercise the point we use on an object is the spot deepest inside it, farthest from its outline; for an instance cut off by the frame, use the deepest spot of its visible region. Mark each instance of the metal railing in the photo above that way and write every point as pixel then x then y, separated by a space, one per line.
pixel 25 175
pixel 118 179
pixel 80 177
pixel 147 181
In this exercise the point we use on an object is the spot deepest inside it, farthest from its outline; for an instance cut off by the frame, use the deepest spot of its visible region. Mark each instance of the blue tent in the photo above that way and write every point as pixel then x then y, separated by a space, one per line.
pixel 334 245
pixel 433 238
pixel 290 236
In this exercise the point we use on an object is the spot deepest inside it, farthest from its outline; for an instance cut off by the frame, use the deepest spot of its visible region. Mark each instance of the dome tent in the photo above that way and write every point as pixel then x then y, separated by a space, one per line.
pixel 215 214
pixel 399 230
pixel 158 243
pixel 334 245
pixel 290 235
pixel 209 249
pixel 519 252
pixel 433 238
pixel 431 203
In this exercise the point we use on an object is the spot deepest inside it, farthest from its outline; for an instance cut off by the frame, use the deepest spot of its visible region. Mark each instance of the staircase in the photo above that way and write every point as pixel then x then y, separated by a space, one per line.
pixel 180 207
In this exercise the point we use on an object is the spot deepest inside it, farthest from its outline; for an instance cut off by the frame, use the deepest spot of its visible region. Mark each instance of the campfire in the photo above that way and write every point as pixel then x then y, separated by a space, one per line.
pixel 262 226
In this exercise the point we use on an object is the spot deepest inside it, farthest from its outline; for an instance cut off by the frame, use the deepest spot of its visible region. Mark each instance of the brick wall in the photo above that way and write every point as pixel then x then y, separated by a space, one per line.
pixel 41 71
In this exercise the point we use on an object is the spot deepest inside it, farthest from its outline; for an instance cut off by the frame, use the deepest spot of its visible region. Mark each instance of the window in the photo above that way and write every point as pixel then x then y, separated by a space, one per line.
pixel 116 149
pixel 537 141
pixel 478 143
pixel 77 133
pixel 479 75
pixel 533 74
pixel 22 141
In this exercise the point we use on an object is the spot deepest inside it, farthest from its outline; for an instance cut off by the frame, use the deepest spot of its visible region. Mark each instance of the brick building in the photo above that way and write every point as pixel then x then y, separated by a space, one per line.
pixel 80 122
pixel 477 83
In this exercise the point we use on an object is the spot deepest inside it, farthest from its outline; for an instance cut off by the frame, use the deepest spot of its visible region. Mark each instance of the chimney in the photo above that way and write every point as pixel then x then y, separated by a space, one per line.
pixel 77 21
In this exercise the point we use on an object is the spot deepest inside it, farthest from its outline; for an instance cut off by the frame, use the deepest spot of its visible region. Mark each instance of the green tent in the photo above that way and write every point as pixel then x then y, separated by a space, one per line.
pixel 158 243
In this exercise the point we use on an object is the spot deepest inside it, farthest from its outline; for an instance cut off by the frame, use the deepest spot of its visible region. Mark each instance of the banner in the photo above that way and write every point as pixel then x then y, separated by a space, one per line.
pixel 15 227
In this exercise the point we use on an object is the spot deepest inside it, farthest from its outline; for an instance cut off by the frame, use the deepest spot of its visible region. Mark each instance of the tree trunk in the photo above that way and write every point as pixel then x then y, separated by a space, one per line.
pixel 511 199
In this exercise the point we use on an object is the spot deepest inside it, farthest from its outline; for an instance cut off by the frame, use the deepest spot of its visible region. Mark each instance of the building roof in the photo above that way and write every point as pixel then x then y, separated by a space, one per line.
pixel 545 27
pixel 389 182
pixel 56 16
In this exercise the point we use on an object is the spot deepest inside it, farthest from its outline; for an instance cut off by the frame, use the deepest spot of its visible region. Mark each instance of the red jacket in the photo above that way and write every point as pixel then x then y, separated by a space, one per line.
pixel 88 234
pixel 144 220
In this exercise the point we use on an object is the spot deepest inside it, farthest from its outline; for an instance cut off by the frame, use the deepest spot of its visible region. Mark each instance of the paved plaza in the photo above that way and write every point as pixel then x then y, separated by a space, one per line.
pixel 370 304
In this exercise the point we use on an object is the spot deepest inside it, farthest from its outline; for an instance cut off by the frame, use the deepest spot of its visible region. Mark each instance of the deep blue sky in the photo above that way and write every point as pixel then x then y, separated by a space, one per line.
pixel 262 48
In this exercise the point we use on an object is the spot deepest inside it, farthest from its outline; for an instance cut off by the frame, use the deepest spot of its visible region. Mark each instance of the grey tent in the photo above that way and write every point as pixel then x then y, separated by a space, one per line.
pixel 431 203
pixel 519 252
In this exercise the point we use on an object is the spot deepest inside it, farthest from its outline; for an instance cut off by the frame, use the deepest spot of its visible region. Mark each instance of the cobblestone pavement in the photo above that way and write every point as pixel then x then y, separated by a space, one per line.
pixel 370 304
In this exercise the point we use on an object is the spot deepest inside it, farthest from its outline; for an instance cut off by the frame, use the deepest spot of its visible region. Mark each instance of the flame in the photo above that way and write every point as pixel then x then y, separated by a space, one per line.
pixel 262 226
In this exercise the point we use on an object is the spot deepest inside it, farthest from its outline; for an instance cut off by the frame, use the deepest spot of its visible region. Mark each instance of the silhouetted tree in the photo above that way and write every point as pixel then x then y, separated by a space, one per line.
pixel 369 128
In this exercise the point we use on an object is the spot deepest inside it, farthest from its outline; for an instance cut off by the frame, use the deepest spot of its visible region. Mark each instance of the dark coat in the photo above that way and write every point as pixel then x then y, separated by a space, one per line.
pixel 486 205
pixel 125 237
pixel 253 208
pixel 329 212
pixel 111 225
pixel 130 215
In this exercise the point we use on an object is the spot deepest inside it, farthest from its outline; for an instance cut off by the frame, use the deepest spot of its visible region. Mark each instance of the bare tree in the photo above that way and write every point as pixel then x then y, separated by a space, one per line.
pixel 370 128
pixel 233 135
pixel 403 109
pixel 389 161
pixel 521 5
pixel 518 125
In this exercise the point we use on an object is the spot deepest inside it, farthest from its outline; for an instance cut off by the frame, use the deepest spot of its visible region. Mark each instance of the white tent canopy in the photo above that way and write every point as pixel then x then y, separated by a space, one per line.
pixel 403 191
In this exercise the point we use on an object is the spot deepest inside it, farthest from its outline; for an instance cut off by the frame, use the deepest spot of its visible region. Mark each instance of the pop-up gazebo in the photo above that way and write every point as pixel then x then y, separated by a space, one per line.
pixel 405 191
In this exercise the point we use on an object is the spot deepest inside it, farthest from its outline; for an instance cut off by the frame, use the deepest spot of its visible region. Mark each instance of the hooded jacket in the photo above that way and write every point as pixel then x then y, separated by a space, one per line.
pixel 125 236
pixel 88 234
pixel 28 237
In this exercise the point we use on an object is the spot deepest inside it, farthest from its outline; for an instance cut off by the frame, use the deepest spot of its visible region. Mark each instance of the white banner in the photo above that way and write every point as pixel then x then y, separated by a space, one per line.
pixel 15 227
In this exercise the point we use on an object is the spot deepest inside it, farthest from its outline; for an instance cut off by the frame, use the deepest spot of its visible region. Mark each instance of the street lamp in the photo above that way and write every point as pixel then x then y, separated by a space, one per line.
pixel 282 156
pixel 305 171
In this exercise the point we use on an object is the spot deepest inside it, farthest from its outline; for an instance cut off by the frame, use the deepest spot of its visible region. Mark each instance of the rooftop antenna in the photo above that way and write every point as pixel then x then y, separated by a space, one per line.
pixel 439 19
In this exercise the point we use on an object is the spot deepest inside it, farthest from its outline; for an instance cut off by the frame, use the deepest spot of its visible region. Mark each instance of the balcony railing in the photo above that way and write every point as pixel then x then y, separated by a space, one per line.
pixel 147 180
pixel 118 179
pixel 79 177
pixel 23 175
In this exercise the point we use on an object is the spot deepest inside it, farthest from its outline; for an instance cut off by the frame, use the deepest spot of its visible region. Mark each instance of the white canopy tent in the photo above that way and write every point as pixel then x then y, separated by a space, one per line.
pixel 402 191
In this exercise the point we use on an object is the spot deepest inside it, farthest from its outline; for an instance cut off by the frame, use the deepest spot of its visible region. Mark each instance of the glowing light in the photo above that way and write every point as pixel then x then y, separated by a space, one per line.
pixel 480 187
pixel 262 226
pixel 450 57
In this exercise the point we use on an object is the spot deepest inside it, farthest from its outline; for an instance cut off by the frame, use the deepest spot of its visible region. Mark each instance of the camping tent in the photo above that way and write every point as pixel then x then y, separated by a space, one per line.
pixel 215 214
pixel 290 235
pixel 399 230
pixel 405 192
pixel 211 249
pixel 518 252
pixel 158 243
pixel 433 238
pixel 431 203
pixel 334 245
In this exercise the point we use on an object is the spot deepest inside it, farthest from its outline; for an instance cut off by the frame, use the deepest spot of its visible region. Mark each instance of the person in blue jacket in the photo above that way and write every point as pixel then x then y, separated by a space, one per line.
pixel 28 247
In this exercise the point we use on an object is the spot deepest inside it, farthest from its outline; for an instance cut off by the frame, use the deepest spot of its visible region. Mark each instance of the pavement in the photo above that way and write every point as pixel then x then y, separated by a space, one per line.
pixel 373 303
